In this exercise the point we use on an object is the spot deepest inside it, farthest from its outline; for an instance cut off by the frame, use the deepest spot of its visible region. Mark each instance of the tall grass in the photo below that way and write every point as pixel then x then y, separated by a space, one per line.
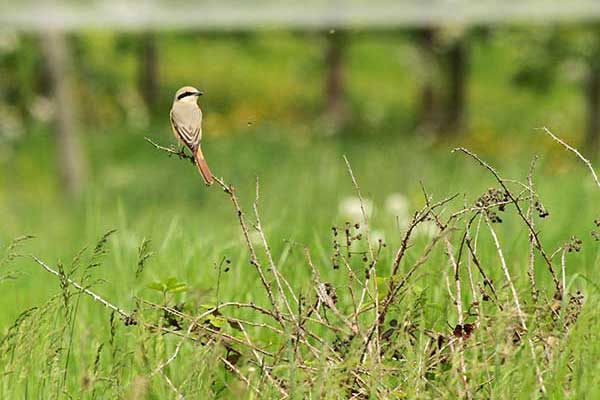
pixel 475 295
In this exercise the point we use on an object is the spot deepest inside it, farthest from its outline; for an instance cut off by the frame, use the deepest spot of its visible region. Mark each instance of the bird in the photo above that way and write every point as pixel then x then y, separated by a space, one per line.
pixel 186 122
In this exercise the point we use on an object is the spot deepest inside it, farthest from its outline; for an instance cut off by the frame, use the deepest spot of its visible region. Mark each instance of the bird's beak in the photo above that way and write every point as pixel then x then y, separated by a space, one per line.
pixel 199 93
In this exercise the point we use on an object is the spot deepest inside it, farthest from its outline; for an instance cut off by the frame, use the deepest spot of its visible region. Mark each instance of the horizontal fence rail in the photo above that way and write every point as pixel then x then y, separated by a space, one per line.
pixel 310 14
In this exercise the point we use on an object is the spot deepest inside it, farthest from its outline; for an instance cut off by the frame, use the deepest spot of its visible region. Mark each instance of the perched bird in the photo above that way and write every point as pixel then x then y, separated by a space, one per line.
pixel 186 121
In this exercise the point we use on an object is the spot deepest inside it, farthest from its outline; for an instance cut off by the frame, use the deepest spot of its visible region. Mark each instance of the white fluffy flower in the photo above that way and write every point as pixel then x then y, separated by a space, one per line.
pixel 350 208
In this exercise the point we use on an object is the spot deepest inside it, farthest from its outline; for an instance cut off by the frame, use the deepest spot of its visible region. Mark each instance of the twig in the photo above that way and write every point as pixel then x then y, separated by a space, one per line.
pixel 563 267
pixel 393 291
pixel 324 297
pixel 521 214
pixel 475 302
pixel 520 313
pixel 577 153
pixel 272 264
pixel 372 268
pixel 172 386
pixel 126 316
pixel 230 190
pixel 507 274
pixel 419 217
pixel 531 269
pixel 261 363
pixel 457 299
pixel 362 207
pixel 240 375
pixel 181 153
pixel 459 310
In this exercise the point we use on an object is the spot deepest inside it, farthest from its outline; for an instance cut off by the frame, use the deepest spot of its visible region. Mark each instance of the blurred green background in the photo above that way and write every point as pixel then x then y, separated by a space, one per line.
pixel 284 106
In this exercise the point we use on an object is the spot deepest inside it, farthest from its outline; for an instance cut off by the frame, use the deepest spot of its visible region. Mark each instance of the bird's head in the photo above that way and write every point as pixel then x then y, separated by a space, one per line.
pixel 187 94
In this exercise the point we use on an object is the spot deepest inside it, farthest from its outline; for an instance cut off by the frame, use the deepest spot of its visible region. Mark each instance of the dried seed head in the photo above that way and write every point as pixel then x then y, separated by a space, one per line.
pixel 493 216
pixel 542 212
pixel 492 196
pixel 335 263
pixel 574 245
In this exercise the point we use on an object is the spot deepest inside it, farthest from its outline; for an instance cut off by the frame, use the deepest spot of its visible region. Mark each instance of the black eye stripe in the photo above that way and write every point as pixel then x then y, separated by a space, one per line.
pixel 185 94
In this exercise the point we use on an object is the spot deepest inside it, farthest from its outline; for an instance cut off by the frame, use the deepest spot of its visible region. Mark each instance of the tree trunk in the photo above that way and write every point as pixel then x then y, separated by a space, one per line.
pixel 592 89
pixel 335 108
pixel 148 71
pixel 428 115
pixel 68 145
pixel 457 77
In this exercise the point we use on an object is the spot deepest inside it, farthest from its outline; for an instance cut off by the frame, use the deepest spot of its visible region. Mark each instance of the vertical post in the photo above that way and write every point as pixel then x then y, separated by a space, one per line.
pixel 335 110
pixel 68 144
pixel 428 117
pixel 457 77
pixel 148 71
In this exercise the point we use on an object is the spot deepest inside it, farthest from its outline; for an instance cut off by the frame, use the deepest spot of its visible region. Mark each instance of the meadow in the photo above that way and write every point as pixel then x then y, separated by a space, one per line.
pixel 151 240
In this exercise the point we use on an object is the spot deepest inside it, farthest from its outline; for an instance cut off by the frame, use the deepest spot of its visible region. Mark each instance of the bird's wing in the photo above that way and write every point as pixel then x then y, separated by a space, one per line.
pixel 187 124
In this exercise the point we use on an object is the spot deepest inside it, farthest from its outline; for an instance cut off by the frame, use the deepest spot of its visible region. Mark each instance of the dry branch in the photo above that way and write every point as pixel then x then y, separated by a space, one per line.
pixel 577 153
pixel 539 246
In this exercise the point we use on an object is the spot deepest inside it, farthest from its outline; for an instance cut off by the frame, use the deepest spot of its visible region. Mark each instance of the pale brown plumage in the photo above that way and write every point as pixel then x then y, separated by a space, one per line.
pixel 186 121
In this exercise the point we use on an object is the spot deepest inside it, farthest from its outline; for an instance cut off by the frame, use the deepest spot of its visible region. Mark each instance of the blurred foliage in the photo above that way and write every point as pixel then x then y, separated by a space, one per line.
pixel 548 54
pixel 263 104
pixel 275 78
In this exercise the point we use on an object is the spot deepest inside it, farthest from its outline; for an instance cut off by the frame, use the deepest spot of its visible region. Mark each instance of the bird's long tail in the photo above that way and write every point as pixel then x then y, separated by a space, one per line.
pixel 203 167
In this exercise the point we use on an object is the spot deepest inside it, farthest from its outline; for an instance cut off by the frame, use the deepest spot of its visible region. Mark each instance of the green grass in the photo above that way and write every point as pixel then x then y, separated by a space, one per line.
pixel 69 347
pixel 146 195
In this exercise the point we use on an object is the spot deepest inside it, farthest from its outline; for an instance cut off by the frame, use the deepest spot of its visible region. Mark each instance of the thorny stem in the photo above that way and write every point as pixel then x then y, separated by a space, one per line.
pixel 179 153
pixel 531 269
pixel 394 289
pixel 532 231
pixel 372 268
pixel 272 264
pixel 474 296
pixel 457 299
pixel 230 190
pixel 126 316
pixel 393 293
pixel 577 153
pixel 324 297
pixel 520 313
pixel 239 374
pixel 418 218
pixel 563 267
